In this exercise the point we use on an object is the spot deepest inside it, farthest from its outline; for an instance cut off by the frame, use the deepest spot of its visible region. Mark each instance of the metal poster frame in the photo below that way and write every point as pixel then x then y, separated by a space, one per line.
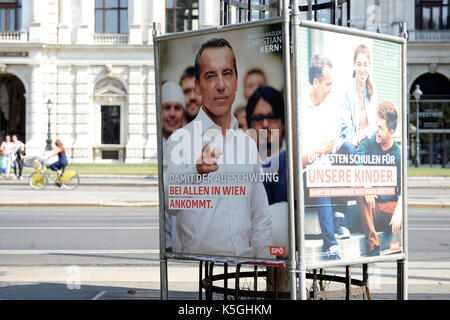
pixel 400 258
pixel 164 255
pixel 296 263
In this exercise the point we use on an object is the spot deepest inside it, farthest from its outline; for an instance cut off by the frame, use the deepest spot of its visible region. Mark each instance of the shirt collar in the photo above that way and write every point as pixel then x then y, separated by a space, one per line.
pixel 208 123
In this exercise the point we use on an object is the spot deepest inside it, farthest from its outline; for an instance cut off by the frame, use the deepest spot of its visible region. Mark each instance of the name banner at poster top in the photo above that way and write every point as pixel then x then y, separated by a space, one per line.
pixel 357 176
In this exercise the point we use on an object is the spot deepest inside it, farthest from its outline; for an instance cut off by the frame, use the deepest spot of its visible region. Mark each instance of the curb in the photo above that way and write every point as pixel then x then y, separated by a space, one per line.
pixel 435 205
pixel 98 183
pixel 78 204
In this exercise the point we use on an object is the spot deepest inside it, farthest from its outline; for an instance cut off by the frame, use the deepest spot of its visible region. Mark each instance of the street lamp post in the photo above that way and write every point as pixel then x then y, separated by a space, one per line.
pixel 417 94
pixel 49 133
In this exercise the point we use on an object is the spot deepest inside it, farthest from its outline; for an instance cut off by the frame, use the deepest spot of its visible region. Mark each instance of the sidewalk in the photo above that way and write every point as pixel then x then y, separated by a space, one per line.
pixel 142 191
pixel 426 280
pixel 93 191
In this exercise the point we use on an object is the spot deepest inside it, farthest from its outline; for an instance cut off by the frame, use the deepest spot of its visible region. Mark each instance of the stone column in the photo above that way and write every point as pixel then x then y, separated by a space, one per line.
pixel 82 146
pixel 65 106
pixel 135 21
pixel 209 13
pixel 136 116
pixel 150 117
pixel 35 26
pixel 36 127
pixel 158 15
pixel 83 29
pixel 64 26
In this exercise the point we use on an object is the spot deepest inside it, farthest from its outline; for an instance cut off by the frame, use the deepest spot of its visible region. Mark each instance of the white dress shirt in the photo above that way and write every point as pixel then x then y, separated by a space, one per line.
pixel 170 223
pixel 320 124
pixel 237 226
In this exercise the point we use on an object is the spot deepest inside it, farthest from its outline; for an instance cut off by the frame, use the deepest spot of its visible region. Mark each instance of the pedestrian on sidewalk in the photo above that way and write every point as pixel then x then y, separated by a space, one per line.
pixel 3 164
pixel 8 147
pixel 19 157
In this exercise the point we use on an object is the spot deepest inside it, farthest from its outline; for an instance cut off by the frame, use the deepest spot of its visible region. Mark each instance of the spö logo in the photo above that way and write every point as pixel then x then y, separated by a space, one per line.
pixel 277 251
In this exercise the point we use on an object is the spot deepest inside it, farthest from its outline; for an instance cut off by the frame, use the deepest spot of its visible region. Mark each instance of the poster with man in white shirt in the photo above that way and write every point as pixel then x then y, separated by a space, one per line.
pixel 213 182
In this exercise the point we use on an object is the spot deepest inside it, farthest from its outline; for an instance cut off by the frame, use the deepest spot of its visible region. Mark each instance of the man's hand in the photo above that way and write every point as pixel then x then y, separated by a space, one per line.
pixel 207 162
pixel 370 200
pixel 396 220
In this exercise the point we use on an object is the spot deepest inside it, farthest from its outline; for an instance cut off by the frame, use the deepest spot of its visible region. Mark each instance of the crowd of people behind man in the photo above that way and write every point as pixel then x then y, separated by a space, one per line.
pixel 12 154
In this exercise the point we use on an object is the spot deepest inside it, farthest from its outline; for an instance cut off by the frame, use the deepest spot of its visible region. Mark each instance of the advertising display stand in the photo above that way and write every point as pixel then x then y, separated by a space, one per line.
pixel 314 178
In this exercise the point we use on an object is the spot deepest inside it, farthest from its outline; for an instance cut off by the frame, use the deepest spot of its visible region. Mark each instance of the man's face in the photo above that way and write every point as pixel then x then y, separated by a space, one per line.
pixel 252 82
pixel 383 134
pixel 218 81
pixel 192 98
pixel 263 118
pixel 324 85
pixel 172 116
pixel 14 138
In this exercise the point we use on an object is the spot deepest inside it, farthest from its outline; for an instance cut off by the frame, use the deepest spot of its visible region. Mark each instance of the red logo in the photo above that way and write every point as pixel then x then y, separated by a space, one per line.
pixel 277 251
pixel 395 246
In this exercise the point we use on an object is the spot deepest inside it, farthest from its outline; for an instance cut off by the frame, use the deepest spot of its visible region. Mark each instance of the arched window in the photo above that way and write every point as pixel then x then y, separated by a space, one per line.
pixel 10 15
pixel 433 120
pixel 433 85
pixel 111 16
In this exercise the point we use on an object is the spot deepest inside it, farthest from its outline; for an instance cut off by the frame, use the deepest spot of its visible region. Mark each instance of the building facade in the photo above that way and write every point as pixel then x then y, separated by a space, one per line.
pixel 86 67
pixel 81 70
pixel 428 65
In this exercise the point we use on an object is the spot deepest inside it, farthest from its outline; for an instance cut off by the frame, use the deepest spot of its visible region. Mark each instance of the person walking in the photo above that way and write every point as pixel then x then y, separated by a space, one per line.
pixel 19 157
pixel 3 163
pixel 8 147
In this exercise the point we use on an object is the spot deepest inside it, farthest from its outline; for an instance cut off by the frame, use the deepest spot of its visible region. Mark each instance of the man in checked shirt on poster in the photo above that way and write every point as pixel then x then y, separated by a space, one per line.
pixel 237 226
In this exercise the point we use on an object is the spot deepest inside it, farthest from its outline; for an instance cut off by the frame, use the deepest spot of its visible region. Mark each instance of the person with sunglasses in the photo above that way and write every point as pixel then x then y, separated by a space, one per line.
pixel 265 115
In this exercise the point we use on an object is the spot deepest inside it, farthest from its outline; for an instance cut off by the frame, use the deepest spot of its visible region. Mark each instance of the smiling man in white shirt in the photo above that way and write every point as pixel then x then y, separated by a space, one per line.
pixel 235 225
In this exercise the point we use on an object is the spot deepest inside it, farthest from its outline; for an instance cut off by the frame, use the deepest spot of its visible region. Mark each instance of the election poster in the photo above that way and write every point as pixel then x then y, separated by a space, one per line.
pixel 222 124
pixel 351 145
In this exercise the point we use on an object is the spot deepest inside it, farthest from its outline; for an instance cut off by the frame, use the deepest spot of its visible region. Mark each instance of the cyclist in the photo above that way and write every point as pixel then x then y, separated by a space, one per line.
pixel 62 160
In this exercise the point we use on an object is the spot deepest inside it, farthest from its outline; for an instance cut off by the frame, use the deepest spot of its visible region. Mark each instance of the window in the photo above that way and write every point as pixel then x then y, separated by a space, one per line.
pixel 10 15
pixel 181 15
pixel 111 16
pixel 110 133
pixel 432 15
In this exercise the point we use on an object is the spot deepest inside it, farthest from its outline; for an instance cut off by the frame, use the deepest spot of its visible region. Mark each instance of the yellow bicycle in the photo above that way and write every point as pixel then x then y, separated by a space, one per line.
pixel 69 180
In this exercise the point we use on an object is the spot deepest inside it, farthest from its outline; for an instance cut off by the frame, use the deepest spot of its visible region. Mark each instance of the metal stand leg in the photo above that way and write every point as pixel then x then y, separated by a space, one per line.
pixel 164 280
pixel 348 283
pixel 237 285
pixel 400 280
pixel 225 283
pixel 209 269
pixel 314 291
pixel 367 295
pixel 200 281
pixel 255 279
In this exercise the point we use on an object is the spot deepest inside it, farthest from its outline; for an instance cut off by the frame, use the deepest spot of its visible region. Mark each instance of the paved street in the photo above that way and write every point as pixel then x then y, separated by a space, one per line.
pixel 50 229
pixel 80 252
pixel 101 240
pixel 429 235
